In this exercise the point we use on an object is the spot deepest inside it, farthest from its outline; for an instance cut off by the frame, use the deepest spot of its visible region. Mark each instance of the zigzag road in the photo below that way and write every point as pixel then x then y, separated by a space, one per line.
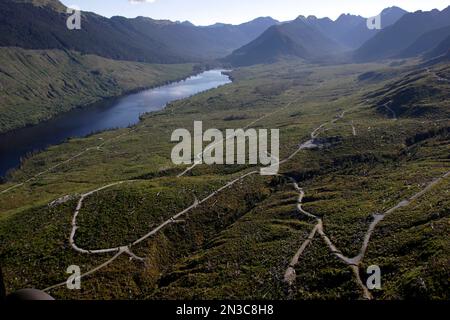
pixel 356 261
pixel 290 273
pixel 127 248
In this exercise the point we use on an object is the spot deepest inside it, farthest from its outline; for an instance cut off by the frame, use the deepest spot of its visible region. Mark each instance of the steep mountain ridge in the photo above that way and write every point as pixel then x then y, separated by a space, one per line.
pixel 139 39
pixel 351 30
pixel 426 42
pixel 311 38
pixel 297 38
pixel 400 38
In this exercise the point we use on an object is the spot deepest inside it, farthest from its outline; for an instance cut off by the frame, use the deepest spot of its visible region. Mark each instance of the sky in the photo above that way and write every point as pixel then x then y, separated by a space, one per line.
pixel 206 12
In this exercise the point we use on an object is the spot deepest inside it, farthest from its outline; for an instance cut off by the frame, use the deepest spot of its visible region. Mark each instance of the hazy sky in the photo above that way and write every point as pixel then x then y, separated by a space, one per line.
pixel 205 12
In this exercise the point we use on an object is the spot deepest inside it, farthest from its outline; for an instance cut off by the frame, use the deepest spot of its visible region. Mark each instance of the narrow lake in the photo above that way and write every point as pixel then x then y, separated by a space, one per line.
pixel 119 113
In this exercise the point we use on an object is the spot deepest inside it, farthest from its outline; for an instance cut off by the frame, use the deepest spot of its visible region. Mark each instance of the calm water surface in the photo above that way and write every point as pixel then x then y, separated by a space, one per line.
pixel 119 113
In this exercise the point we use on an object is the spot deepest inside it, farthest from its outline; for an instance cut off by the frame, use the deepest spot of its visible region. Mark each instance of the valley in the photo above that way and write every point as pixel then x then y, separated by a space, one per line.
pixel 37 85
pixel 107 114
pixel 87 137
pixel 234 199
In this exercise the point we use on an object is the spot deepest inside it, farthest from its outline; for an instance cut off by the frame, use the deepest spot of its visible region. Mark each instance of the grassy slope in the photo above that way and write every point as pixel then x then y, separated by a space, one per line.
pixel 239 244
pixel 36 85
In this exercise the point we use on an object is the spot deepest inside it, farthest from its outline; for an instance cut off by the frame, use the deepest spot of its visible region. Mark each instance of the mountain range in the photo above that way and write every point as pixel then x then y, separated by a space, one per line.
pixel 42 25
pixel 296 38
pixel 263 40
pixel 311 37
pixel 403 35
pixel 350 30
pixel 413 34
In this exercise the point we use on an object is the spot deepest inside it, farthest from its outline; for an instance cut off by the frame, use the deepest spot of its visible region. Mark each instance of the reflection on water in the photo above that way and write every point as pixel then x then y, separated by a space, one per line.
pixel 110 114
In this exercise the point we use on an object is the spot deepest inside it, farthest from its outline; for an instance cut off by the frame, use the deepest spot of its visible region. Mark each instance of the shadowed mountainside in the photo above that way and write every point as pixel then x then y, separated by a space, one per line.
pixel 140 39
pixel 401 37
pixel 351 30
pixel 310 38
pixel 297 38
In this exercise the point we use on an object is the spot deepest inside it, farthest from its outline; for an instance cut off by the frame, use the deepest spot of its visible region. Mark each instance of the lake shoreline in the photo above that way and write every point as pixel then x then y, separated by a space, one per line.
pixel 107 99
pixel 5 175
